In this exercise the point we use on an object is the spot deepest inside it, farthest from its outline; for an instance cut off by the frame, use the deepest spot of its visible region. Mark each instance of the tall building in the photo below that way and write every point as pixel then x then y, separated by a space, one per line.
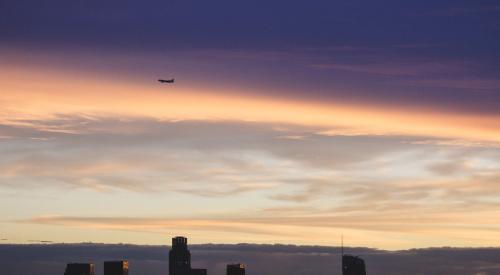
pixel 235 269
pixel 353 265
pixel 179 257
pixel 79 269
pixel 116 268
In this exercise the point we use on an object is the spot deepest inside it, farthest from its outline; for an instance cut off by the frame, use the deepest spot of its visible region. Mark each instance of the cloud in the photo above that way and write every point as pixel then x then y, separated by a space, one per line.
pixel 107 147
pixel 156 225
pixel 449 168
pixel 408 68
pixel 383 124
pixel 271 55
pixel 420 72
pixel 283 189
pixel 418 216
pixel 472 84
pixel 212 158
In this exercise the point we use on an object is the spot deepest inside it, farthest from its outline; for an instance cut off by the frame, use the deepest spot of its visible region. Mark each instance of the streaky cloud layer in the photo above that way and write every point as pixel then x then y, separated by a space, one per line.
pixel 61 93
pixel 288 121
pixel 279 178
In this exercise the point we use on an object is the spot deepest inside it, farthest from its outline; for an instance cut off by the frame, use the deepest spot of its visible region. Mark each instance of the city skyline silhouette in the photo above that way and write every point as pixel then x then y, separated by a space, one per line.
pixel 49 259
pixel 179 263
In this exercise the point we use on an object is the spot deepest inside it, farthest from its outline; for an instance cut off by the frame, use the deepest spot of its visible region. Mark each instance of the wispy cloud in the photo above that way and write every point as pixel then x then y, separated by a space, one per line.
pixel 215 158
pixel 407 68
pixel 280 188
pixel 432 224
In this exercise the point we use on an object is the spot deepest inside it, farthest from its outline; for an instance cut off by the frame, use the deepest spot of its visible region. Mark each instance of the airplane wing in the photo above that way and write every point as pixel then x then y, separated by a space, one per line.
pixel 166 80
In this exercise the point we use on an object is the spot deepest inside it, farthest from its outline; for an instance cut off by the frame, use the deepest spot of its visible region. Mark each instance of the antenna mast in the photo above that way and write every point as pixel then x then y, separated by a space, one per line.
pixel 342 244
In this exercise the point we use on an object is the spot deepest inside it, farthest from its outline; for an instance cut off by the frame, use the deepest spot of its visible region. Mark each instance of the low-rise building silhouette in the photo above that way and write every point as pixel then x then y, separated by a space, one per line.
pixel 235 269
pixel 116 268
pixel 198 271
pixel 79 269
pixel 353 265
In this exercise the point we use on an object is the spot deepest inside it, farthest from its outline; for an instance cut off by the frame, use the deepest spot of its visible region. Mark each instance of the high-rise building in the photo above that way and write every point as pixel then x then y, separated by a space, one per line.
pixel 79 269
pixel 116 268
pixel 179 257
pixel 235 269
pixel 353 265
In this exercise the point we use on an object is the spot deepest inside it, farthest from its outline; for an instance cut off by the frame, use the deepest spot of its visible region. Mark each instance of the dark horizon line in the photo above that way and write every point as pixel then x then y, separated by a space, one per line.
pixel 207 245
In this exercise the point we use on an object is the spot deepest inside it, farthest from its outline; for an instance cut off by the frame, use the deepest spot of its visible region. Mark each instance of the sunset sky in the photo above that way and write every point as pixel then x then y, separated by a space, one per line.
pixel 288 122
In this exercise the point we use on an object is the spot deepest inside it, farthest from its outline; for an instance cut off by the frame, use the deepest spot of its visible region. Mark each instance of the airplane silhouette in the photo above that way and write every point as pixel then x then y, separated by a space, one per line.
pixel 166 80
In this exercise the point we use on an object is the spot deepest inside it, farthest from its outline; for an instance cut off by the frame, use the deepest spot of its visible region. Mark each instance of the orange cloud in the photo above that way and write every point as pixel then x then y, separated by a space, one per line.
pixel 393 230
pixel 33 92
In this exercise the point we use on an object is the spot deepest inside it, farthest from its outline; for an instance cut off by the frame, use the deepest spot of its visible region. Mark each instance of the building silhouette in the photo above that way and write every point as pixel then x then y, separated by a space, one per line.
pixel 353 265
pixel 180 264
pixel 79 269
pixel 116 268
pixel 235 269
pixel 198 271
pixel 179 259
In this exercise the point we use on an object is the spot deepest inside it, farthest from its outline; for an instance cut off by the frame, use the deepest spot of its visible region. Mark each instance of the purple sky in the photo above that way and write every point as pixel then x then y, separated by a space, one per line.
pixel 442 54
